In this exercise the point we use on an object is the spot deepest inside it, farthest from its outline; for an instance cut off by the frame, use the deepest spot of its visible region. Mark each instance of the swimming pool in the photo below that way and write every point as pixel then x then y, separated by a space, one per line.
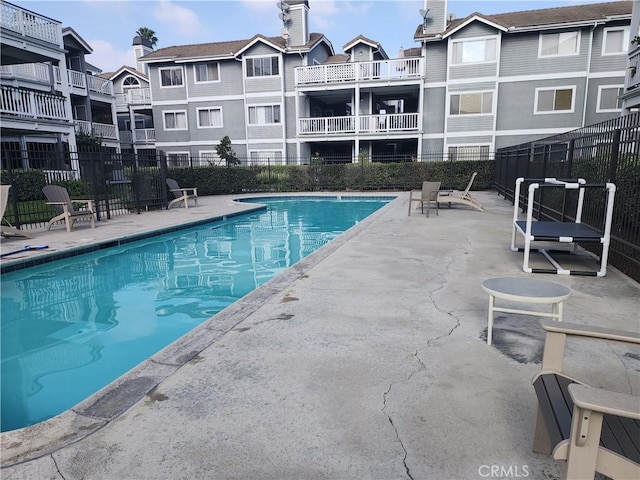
pixel 72 326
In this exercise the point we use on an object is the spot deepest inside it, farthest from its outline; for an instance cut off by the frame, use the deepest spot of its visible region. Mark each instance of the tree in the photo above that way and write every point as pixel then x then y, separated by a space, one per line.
pixel 148 34
pixel 226 153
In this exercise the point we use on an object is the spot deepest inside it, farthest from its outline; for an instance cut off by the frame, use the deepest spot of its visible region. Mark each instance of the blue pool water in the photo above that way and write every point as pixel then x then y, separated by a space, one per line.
pixel 70 327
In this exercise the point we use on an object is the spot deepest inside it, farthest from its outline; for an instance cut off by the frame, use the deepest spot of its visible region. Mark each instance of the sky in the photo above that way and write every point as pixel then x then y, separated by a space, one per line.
pixel 109 26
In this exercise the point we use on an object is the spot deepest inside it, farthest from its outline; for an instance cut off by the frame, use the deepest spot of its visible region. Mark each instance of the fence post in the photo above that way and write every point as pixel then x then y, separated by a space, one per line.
pixel 162 160
pixel 615 149
pixel 572 144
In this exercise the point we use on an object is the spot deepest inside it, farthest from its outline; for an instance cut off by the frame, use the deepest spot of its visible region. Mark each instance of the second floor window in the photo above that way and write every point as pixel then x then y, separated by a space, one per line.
pixel 262 66
pixel 609 98
pixel 557 44
pixel 171 77
pixel 206 72
pixel 474 51
pixel 616 41
pixel 209 117
pixel 554 100
pixel 471 103
pixel 175 120
pixel 264 115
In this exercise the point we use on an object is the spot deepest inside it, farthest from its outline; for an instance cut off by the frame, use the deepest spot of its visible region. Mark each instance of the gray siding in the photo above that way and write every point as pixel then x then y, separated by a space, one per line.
pixel 166 93
pixel 163 135
pixel 516 105
pixel 469 123
pixel 264 131
pixel 230 81
pixel 433 110
pixel 457 72
pixel 290 63
pixel 519 56
pixel 289 111
pixel 472 87
pixel 361 53
pixel 475 29
pixel 600 63
pixel 263 84
pixel 436 62
pixel 479 140
pixel 432 145
pixel 437 16
pixel 592 99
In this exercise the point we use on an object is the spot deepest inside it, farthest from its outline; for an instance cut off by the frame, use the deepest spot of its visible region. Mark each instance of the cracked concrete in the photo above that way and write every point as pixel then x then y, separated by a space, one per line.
pixel 288 382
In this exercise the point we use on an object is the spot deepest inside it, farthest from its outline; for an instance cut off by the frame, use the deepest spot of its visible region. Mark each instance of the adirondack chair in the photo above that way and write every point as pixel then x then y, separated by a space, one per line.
pixel 181 194
pixel 593 429
pixel 58 198
pixel 7 230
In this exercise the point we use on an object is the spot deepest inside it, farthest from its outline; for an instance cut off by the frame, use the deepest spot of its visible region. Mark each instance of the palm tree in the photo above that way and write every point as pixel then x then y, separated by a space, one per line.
pixel 148 34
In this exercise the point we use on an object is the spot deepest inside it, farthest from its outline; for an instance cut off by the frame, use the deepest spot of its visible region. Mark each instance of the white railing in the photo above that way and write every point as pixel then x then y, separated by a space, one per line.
pixel 38 72
pixel 27 103
pixel 396 69
pixel 134 96
pixel 326 125
pixel 56 175
pixel 101 130
pixel 100 85
pixel 396 122
pixel 77 79
pixel 144 135
pixel 30 24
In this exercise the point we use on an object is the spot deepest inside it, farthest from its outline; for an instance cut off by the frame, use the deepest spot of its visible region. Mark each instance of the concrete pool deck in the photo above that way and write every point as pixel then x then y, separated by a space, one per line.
pixel 367 359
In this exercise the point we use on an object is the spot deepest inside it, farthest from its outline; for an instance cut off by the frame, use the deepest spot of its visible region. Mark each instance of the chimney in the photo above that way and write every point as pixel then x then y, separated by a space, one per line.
pixel 141 47
pixel 436 20
pixel 295 21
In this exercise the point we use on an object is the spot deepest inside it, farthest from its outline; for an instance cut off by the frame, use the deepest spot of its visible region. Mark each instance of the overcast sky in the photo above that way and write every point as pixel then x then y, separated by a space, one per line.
pixel 109 26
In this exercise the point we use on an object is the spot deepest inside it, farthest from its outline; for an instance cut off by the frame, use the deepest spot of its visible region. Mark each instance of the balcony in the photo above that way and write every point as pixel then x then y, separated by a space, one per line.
pixel 100 85
pixel 140 136
pixel 134 96
pixel 30 24
pixel 390 123
pixel 30 104
pixel 385 70
pixel 80 82
pixel 35 72
pixel 100 130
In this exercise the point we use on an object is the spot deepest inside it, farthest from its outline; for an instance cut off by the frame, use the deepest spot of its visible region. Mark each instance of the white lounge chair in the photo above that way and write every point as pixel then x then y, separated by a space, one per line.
pixel 462 197
pixel 8 230
pixel 181 194
pixel 59 199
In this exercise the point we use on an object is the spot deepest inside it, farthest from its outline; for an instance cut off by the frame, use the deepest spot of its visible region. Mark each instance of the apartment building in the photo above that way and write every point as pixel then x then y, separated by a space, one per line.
pixel 133 103
pixel 472 85
pixel 49 92
pixel 631 96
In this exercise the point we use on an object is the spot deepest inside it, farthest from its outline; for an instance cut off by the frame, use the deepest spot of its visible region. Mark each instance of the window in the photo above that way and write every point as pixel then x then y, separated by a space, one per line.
pixel 470 103
pixel 609 98
pixel 175 120
pixel 555 100
pixel 178 159
pixel 266 157
pixel 474 51
pixel 616 41
pixel 130 82
pixel 139 124
pixel 209 117
pixel 210 157
pixel 73 63
pixel 469 152
pixel 171 77
pixel 206 72
pixel 264 115
pixel 262 66
pixel 556 44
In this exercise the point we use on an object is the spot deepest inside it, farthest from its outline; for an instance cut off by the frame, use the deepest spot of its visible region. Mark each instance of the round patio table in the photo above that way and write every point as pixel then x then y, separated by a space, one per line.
pixel 525 290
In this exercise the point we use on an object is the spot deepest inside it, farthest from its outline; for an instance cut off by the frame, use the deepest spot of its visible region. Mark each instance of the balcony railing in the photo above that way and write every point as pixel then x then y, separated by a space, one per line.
pixel 391 123
pixel 38 72
pixel 633 73
pixel 134 96
pixel 101 130
pixel 27 103
pixel 396 69
pixel 30 24
pixel 144 135
pixel 100 85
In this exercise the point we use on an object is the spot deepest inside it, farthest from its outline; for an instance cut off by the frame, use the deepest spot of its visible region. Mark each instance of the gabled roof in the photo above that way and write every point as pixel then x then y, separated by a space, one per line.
pixel 367 41
pixel 124 69
pixel 70 32
pixel 228 49
pixel 541 19
pixel 340 58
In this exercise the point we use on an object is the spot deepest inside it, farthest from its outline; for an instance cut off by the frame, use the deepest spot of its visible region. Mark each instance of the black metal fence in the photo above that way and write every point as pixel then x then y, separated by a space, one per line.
pixel 605 152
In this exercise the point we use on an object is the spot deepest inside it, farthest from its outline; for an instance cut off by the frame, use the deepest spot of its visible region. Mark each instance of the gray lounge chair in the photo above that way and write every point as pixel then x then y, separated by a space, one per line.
pixel 181 194
pixel 8 230
pixel 59 199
